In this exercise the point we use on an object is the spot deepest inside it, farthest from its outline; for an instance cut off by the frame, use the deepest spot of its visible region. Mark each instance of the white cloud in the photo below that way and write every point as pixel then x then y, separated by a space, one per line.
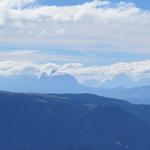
pixel 123 26
pixel 82 73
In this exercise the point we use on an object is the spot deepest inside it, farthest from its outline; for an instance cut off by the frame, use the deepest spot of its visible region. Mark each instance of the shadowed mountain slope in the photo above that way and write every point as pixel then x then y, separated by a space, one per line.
pixel 71 122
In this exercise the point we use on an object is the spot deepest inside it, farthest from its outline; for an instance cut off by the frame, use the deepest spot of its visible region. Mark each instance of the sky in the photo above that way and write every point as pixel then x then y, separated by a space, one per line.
pixel 139 3
pixel 91 34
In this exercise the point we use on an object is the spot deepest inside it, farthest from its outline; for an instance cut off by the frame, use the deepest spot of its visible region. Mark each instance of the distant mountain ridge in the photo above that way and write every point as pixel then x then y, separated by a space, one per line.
pixel 66 83
pixel 117 81
pixel 44 84
pixel 139 95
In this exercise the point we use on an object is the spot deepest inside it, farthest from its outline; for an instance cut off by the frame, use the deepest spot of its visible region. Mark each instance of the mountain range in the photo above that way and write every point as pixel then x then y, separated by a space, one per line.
pixel 139 95
pixel 68 84
pixel 44 84
pixel 117 81
pixel 72 122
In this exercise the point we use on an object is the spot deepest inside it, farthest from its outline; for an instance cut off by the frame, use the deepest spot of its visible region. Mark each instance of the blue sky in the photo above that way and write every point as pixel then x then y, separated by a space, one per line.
pixel 144 4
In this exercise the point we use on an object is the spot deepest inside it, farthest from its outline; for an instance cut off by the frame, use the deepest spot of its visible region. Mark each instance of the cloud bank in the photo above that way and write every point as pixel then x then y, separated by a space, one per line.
pixel 93 26
pixel 82 73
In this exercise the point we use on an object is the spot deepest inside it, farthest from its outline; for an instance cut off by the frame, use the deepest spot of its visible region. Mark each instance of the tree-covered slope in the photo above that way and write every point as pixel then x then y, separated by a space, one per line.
pixel 71 122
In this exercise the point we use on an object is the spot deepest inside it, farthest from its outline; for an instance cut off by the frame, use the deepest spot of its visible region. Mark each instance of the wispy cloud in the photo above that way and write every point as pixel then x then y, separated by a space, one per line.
pixel 123 26
pixel 81 72
pixel 36 56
